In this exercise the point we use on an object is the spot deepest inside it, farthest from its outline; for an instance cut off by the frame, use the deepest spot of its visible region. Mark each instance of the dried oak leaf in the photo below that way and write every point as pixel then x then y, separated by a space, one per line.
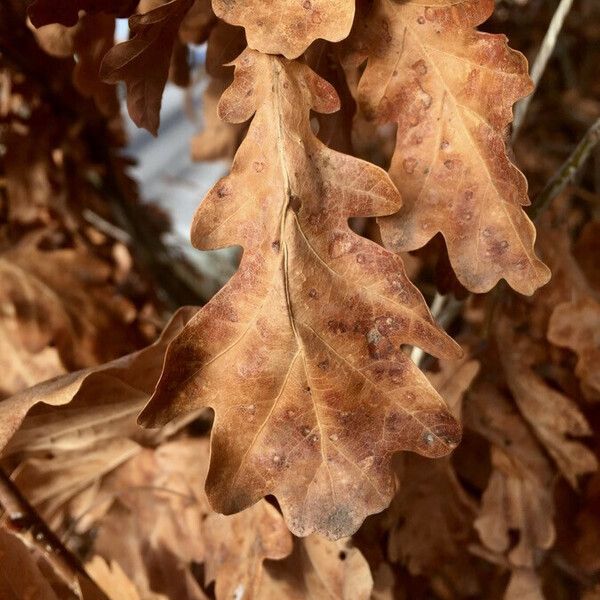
pixel 554 417
pixel 299 354
pixel 288 27
pixel 111 579
pixel 197 23
pixel 89 40
pixel 152 526
pixel 430 519
pixel 93 39
pixel 319 569
pixel 450 90
pixel 109 395
pixel 217 139
pixel 50 482
pixel 576 325
pixel 64 297
pixel 143 61
pixel 237 545
pixel 519 495
pixel 66 12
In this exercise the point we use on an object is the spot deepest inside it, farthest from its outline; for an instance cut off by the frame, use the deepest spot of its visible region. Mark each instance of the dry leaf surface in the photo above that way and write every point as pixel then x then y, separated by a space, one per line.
pixel 450 90
pixel 299 355
pixel 143 61
pixel 288 27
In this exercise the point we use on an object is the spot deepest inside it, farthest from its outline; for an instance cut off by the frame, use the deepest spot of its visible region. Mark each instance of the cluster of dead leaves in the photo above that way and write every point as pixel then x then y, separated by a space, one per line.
pixel 299 365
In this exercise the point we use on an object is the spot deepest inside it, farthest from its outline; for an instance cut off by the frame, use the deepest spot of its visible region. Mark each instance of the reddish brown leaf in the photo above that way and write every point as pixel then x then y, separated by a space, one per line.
pixel 450 90
pixel 288 27
pixel 299 355
pixel 143 61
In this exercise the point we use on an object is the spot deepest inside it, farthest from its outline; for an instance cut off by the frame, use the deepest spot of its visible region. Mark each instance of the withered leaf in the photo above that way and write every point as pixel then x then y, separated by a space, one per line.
pixel 319 569
pixel 20 575
pixel 93 39
pixel 299 354
pixel 576 325
pixel 217 139
pixel 66 12
pixel 450 90
pixel 430 520
pixel 554 417
pixel 197 23
pixel 288 27
pixel 518 496
pixel 111 579
pixel 61 298
pixel 237 546
pixel 125 384
pixel 143 61
pixel 153 525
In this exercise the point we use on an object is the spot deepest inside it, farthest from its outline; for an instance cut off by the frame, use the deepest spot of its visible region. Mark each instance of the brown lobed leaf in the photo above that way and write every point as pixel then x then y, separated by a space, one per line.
pixel 125 385
pixel 300 353
pixel 143 61
pixel 237 546
pixel 151 524
pixel 59 300
pixel 217 139
pixel 519 495
pixel 66 12
pixel 111 579
pixel 93 39
pixel 554 417
pixel 450 90
pixel 576 325
pixel 319 569
pixel 288 27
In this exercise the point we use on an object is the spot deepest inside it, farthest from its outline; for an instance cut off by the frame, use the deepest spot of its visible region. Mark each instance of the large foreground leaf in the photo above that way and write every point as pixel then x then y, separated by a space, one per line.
pixel 300 354
pixel 450 89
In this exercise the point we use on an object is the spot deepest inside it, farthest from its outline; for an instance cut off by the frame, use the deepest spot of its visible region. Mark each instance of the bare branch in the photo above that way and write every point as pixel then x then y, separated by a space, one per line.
pixel 566 174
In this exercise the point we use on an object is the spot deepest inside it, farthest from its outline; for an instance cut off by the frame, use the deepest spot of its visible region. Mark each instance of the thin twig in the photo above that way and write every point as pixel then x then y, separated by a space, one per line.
pixel 540 62
pixel 565 175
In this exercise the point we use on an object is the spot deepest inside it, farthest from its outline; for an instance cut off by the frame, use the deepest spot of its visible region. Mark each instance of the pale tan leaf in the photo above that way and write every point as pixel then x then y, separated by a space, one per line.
pixel 319 569
pixel 111 579
pixel 519 495
pixel 237 546
pixel 20 576
pixel 554 417
pixel 127 383
pixel 576 325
